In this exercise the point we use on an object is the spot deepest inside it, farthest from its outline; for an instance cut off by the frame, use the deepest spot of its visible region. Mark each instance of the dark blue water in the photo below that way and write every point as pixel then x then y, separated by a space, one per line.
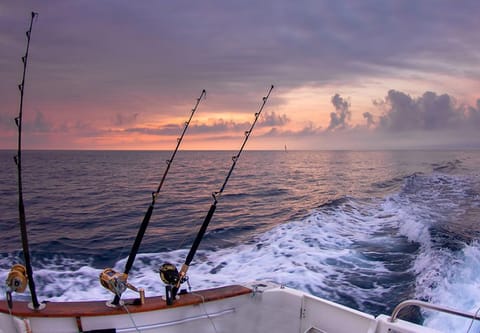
pixel 365 229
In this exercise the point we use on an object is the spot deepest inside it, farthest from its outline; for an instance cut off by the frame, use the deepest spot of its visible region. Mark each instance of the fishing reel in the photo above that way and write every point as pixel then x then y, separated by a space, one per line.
pixel 17 279
pixel 117 283
pixel 169 274
pixel 172 279
pixel 16 282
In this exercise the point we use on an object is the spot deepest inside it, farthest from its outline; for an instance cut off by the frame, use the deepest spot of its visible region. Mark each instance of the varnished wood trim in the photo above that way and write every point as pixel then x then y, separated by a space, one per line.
pixel 99 308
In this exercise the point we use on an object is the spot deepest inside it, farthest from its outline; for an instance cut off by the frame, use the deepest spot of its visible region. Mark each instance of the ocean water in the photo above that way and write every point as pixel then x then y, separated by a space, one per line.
pixel 366 229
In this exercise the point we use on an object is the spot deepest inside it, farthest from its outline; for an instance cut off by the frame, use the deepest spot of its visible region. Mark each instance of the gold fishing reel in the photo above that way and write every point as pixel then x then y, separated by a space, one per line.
pixel 117 283
pixel 114 281
pixel 16 282
pixel 17 279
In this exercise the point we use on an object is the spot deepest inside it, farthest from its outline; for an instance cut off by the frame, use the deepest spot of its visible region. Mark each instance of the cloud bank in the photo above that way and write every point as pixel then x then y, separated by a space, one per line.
pixel 126 67
pixel 428 121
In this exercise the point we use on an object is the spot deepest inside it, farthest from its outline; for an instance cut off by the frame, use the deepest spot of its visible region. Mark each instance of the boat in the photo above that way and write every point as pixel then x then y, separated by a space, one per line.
pixel 257 306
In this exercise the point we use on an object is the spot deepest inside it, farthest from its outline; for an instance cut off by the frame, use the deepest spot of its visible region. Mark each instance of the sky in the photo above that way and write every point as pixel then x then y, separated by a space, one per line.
pixel 349 74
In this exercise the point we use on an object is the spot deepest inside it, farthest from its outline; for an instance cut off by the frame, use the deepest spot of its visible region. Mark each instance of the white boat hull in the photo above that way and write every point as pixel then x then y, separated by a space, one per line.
pixel 234 309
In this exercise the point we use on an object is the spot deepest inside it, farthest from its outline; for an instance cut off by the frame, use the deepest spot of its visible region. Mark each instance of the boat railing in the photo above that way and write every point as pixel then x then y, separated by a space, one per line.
pixel 430 306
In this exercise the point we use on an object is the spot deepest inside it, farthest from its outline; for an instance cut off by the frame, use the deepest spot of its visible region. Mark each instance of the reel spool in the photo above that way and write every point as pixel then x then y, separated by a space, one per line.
pixel 114 281
pixel 117 283
pixel 169 274
pixel 171 277
pixel 17 279
pixel 16 282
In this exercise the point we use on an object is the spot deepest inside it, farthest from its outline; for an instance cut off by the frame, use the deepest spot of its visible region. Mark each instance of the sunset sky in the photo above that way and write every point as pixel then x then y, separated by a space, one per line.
pixel 347 74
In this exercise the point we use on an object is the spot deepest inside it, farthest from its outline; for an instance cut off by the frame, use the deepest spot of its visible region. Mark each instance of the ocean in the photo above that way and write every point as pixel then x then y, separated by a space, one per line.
pixel 366 229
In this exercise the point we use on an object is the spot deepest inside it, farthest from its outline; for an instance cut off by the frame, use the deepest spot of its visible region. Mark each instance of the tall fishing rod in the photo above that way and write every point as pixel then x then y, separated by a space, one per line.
pixel 19 275
pixel 168 272
pixel 108 276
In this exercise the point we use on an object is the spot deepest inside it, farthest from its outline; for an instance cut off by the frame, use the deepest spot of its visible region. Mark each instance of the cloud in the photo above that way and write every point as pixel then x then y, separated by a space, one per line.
pixel 122 119
pixel 339 119
pixel 102 50
pixel 369 118
pixel 41 124
pixel 220 126
pixel 272 119
pixel 216 127
pixel 427 112
pixel 6 122
pixel 110 57
pixel 428 121
pixel 169 129
pixel 474 115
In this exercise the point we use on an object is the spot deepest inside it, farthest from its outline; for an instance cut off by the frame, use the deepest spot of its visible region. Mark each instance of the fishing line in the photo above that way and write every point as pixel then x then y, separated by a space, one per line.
pixel 206 312
pixel 118 293
pixel 14 323
pixel 473 320
pixel 168 272
pixel 122 278
pixel 131 317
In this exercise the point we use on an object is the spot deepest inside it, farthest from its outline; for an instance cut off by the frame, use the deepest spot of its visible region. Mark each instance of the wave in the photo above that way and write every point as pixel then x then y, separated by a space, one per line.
pixel 439 213
pixel 367 253
pixel 448 166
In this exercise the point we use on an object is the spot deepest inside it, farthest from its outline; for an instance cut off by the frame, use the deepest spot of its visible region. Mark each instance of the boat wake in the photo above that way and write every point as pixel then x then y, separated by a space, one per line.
pixel 367 253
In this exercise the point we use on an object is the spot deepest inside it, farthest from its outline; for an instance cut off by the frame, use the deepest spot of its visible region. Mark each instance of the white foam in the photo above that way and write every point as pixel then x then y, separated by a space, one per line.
pixel 458 288
pixel 318 254
pixel 444 276
pixel 305 254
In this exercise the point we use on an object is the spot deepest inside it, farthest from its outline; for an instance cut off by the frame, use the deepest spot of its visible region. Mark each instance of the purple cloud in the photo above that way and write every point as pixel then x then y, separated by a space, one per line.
pixel 339 119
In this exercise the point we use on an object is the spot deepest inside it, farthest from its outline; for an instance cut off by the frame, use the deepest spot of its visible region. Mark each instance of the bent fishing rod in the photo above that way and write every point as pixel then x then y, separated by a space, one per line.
pixel 116 282
pixel 168 272
pixel 20 275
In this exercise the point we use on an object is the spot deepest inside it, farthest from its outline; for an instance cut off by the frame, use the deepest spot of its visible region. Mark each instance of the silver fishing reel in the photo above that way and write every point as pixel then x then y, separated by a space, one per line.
pixel 117 283
pixel 114 281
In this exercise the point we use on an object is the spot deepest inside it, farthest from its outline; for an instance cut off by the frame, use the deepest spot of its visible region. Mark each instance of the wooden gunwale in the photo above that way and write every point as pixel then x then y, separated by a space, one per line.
pixel 99 308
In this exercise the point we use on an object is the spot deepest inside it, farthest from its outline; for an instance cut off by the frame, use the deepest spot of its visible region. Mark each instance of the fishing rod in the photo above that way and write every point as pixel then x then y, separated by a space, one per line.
pixel 168 272
pixel 20 275
pixel 117 282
